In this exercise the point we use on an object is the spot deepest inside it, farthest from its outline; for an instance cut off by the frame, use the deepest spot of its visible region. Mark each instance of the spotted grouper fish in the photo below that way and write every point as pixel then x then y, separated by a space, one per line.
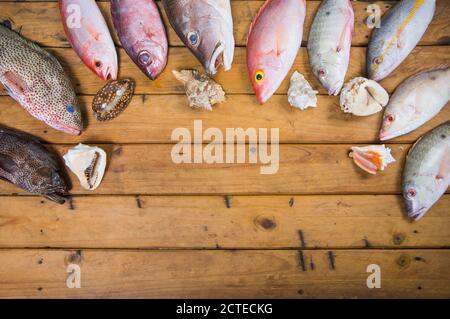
pixel 329 43
pixel 26 163
pixel 142 33
pixel 426 176
pixel 273 42
pixel 401 29
pixel 35 79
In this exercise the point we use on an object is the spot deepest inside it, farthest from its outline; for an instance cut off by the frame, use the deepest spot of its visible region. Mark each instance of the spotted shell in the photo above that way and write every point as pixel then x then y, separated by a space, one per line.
pixel 112 99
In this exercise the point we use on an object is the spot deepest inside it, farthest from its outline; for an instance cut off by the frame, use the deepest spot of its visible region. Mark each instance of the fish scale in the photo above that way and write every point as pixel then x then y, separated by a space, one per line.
pixel 329 43
pixel 35 79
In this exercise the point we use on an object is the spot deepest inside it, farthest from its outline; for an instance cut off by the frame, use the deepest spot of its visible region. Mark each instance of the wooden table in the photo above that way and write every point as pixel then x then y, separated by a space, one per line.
pixel 157 229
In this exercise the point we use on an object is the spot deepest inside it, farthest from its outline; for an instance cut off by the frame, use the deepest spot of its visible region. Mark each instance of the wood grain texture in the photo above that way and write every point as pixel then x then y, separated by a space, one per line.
pixel 222 274
pixel 235 81
pixel 149 169
pixel 28 17
pixel 236 222
pixel 152 119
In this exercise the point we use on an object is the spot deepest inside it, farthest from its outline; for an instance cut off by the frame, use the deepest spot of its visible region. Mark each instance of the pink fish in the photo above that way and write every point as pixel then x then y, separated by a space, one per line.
pixel 274 40
pixel 140 28
pixel 89 36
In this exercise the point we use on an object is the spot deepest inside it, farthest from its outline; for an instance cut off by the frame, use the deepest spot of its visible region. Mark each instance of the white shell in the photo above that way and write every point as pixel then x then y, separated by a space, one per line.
pixel 80 160
pixel 362 155
pixel 363 97
pixel 301 95
pixel 201 91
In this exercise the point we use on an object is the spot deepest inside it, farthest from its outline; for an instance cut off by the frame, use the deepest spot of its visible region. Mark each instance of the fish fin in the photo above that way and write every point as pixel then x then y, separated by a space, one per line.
pixel 57 198
pixel 444 168
pixel 347 32
pixel 256 18
pixel 14 84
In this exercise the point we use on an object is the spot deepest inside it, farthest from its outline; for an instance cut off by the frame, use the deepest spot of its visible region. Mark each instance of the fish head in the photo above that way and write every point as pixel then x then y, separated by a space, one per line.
pixel 400 117
pixel 380 65
pixel 206 38
pixel 265 74
pixel 103 62
pixel 329 73
pixel 152 61
pixel 417 198
pixel 50 183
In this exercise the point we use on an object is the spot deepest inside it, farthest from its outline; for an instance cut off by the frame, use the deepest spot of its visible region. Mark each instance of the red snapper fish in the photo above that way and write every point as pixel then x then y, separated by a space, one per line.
pixel 141 31
pixel 88 34
pixel 274 40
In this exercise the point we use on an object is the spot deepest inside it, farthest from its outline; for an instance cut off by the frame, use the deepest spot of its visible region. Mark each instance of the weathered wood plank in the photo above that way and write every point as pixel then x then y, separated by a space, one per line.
pixel 222 274
pixel 151 119
pixel 303 169
pixel 214 222
pixel 28 17
pixel 235 81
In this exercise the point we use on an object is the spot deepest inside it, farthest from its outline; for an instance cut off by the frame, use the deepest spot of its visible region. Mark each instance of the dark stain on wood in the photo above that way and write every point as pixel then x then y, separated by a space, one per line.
pixel 398 239
pixel 76 257
pixel 267 223
pixel 117 151
pixel 366 243
pixel 418 258
pixel 71 204
pixel 227 200
pixel 301 236
pixel 403 261
pixel 331 260
pixel 138 202
pixel 291 202
pixel 301 260
pixel 311 263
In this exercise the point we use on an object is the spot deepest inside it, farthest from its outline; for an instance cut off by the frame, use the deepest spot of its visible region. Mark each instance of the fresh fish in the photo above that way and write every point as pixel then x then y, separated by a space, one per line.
pixel 329 43
pixel 26 163
pixel 274 39
pixel 206 28
pixel 141 31
pixel 112 99
pixel 88 34
pixel 426 176
pixel 35 79
pixel 401 29
pixel 201 91
pixel 415 102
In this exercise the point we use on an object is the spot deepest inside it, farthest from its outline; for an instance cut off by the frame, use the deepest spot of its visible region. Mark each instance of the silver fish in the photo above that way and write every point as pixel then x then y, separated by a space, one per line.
pixel 415 102
pixel 401 29
pixel 426 176
pixel 329 43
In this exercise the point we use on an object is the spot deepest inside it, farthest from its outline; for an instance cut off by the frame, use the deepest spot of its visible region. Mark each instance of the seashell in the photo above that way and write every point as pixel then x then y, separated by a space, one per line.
pixel 202 91
pixel 112 99
pixel 363 97
pixel 88 164
pixel 301 95
pixel 372 158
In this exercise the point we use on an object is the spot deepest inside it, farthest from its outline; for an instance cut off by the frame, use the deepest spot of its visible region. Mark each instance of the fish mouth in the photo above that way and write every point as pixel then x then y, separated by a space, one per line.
pixel 67 129
pixel 335 89
pixel 385 136
pixel 216 59
pixel 108 75
pixel 417 214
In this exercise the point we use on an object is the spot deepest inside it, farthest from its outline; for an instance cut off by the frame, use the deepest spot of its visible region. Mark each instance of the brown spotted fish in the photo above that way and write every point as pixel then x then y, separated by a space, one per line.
pixel 113 99
pixel 26 163
pixel 35 79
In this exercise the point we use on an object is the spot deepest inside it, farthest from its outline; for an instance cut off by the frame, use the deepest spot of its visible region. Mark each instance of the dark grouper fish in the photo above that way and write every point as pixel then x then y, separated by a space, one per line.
pixel 427 172
pixel 206 28
pixel 26 163
pixel 35 79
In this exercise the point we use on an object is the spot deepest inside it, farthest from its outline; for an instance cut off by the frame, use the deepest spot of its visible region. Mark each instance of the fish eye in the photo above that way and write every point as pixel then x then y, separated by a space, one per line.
pixel 390 118
pixel 193 38
pixel 70 108
pixel 411 193
pixel 259 76
pixel 144 57
pixel 377 61
pixel 98 64
pixel 322 72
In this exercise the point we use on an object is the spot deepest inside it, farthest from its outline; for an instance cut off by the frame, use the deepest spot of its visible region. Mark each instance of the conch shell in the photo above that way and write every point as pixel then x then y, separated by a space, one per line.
pixel 202 91
pixel 363 97
pixel 88 164
pixel 301 95
pixel 372 158
pixel 112 99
